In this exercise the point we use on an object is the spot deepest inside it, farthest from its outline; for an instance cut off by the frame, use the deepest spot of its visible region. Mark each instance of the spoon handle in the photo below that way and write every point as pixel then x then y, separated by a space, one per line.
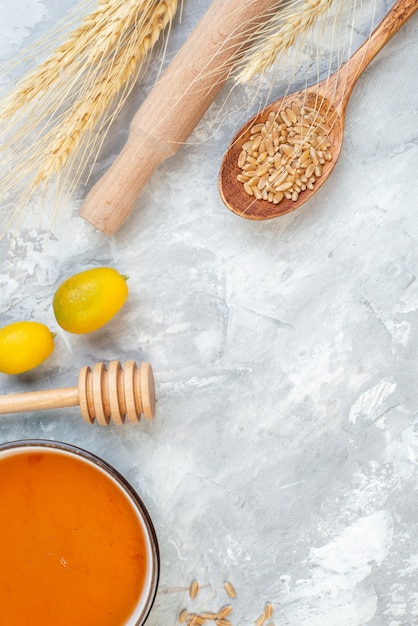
pixel 173 107
pixel 338 87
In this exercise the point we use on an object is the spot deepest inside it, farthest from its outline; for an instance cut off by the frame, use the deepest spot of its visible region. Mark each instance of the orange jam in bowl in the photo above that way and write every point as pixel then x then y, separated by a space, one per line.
pixel 77 546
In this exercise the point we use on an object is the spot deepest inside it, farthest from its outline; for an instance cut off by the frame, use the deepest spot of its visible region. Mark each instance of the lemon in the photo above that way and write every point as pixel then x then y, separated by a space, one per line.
pixel 88 300
pixel 23 346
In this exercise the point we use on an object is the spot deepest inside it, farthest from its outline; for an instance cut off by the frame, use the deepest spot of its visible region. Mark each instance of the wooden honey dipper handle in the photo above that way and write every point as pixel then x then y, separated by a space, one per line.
pixel 172 109
pixel 103 393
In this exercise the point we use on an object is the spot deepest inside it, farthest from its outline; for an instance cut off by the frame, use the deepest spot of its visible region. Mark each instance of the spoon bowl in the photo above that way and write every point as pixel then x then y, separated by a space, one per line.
pixel 328 98
pixel 232 190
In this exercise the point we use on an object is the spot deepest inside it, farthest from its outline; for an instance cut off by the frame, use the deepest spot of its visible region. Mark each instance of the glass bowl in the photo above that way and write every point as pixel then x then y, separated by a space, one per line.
pixel 78 545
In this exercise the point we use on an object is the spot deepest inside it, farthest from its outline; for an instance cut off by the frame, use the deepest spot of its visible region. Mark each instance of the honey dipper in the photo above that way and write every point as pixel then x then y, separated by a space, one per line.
pixel 103 393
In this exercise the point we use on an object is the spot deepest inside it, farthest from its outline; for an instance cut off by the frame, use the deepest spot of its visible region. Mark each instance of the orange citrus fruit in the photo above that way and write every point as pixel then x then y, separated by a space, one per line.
pixel 23 346
pixel 88 300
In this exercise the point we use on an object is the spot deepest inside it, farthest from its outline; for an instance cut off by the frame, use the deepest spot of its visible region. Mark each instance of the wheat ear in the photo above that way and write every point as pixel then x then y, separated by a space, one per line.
pixel 101 32
pixel 90 107
pixel 55 116
pixel 285 27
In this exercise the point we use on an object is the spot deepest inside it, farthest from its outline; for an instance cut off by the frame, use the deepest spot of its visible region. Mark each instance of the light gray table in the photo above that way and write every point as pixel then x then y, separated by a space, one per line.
pixel 283 455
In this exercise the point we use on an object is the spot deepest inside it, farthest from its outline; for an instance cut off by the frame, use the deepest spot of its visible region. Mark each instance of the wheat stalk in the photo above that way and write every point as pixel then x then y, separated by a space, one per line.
pixel 72 54
pixel 68 100
pixel 123 67
pixel 284 27
pixel 100 33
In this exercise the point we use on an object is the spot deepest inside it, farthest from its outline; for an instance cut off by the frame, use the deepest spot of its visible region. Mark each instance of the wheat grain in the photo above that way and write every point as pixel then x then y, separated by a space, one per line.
pixel 268 610
pixel 297 161
pixel 196 620
pixel 194 589
pixel 226 610
pixel 286 27
pixel 230 590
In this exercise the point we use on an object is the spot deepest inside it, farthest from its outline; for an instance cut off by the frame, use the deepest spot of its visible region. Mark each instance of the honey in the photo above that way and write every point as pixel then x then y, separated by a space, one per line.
pixel 73 549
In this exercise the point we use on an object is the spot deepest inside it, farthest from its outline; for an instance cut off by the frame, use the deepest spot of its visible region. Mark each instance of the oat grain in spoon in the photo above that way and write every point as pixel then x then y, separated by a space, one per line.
pixel 284 154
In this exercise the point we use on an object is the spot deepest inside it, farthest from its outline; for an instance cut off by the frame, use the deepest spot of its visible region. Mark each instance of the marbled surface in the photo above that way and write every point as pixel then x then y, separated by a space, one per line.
pixel 283 456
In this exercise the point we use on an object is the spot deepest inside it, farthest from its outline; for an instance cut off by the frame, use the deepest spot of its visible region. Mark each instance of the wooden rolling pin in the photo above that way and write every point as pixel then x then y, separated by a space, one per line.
pixel 173 107
pixel 102 393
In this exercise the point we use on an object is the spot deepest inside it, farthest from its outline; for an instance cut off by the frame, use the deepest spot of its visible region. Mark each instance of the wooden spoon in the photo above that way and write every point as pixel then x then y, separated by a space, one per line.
pixel 329 98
